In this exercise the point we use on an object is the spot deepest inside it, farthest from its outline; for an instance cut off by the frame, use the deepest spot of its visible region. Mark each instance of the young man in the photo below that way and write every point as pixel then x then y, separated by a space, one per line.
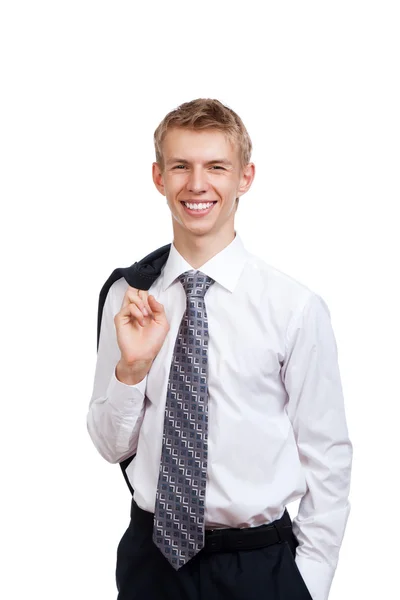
pixel 222 380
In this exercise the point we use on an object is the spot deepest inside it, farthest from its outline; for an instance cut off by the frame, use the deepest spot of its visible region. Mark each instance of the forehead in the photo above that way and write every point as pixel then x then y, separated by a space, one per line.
pixel 192 145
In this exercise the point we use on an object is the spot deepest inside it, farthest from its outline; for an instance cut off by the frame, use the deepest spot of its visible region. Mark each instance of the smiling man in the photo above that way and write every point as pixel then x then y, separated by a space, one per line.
pixel 217 389
pixel 202 174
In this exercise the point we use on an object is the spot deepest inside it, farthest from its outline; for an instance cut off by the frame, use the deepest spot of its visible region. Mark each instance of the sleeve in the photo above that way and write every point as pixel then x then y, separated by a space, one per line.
pixel 316 410
pixel 116 410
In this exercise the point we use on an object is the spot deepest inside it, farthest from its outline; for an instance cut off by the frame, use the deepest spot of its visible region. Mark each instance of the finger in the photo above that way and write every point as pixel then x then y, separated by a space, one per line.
pixel 131 310
pixel 126 299
pixel 137 314
pixel 144 294
pixel 132 296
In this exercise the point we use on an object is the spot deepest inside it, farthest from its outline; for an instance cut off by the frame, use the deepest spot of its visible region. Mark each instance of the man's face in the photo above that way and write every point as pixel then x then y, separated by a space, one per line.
pixel 201 167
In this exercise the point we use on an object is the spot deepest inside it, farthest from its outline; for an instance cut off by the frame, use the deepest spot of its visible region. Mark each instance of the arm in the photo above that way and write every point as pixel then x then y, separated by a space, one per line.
pixel 116 408
pixel 316 410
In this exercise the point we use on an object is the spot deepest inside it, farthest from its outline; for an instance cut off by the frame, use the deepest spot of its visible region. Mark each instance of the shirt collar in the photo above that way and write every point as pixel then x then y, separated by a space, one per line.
pixel 225 267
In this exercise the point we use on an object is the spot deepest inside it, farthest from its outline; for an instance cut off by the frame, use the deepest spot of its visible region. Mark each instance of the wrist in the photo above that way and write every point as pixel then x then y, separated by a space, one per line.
pixel 131 374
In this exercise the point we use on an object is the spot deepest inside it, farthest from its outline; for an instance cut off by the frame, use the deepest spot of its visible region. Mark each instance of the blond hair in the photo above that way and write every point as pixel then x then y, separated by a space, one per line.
pixel 205 113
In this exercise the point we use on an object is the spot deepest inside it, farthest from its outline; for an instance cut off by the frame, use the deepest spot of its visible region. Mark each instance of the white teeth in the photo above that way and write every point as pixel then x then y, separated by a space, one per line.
pixel 198 206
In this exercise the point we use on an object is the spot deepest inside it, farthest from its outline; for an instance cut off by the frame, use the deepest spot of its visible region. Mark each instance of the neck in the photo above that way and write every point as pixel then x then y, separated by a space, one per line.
pixel 197 250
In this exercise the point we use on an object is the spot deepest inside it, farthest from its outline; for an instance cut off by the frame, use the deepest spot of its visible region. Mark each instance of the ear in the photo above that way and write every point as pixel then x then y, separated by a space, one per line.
pixel 246 178
pixel 158 178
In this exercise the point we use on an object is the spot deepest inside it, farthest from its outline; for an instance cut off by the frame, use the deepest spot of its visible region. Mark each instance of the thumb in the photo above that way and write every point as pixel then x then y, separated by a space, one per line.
pixel 154 305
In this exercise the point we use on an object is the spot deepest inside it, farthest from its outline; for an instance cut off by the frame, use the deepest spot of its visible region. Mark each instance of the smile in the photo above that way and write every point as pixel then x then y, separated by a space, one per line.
pixel 199 212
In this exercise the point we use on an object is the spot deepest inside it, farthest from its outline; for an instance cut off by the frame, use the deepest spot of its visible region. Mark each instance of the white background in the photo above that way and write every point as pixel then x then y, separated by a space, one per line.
pixel 84 85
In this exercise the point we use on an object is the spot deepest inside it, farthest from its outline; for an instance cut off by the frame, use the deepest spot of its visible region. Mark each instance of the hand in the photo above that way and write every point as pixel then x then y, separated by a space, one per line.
pixel 140 336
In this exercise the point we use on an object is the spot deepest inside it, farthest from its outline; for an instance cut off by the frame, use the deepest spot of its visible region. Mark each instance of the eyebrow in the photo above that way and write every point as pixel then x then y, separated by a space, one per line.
pixel 220 161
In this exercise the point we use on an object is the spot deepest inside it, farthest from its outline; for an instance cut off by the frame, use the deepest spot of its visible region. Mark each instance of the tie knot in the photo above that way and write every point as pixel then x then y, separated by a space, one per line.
pixel 195 284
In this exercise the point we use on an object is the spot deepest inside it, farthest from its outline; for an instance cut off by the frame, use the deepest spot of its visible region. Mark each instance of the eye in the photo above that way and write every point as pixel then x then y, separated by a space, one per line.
pixel 218 167
pixel 180 166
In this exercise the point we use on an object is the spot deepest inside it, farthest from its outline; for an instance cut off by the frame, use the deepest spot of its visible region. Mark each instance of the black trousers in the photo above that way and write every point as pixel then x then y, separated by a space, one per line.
pixel 266 573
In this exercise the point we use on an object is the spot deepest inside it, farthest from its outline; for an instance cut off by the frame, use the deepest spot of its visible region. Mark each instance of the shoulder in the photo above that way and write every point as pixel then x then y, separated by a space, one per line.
pixel 282 298
pixel 277 285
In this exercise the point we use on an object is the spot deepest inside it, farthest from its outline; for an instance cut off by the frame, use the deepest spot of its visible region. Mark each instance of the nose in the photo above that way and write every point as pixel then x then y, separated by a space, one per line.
pixel 197 181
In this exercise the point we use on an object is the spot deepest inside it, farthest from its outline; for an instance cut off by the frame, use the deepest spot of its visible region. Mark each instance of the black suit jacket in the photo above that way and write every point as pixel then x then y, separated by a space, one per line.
pixel 140 275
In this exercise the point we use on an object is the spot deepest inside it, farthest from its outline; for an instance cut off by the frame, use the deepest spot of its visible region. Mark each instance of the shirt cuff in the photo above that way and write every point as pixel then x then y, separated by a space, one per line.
pixel 317 576
pixel 119 392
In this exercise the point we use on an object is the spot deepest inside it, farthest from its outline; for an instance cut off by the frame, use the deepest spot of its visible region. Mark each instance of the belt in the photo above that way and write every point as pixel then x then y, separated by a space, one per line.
pixel 249 538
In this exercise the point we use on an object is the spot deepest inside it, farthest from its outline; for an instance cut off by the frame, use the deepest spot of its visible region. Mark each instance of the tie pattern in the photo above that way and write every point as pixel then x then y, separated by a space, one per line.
pixel 180 499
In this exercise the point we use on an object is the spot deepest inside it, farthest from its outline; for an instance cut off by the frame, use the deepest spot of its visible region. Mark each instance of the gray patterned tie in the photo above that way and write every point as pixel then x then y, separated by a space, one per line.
pixel 179 512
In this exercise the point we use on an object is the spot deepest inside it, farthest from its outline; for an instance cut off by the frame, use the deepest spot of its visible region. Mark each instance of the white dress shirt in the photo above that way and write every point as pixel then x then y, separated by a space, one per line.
pixel 277 427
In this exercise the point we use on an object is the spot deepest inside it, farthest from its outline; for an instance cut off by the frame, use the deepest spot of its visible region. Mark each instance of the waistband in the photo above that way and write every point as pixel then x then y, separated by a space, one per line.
pixel 220 540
